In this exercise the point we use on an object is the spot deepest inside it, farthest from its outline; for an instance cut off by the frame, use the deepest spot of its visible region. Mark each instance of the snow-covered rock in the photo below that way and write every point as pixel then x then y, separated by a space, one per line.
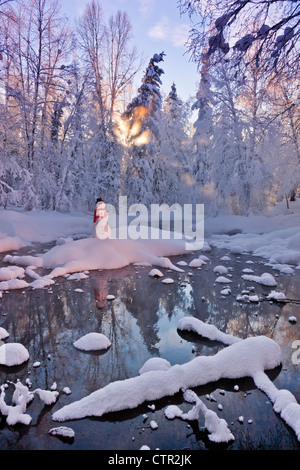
pixel 92 342
pixel 223 280
pixel 3 334
pixel 266 279
pixel 196 263
pixel 62 431
pixel 274 295
pixel 168 280
pixel 13 354
pixel 155 273
pixel 220 270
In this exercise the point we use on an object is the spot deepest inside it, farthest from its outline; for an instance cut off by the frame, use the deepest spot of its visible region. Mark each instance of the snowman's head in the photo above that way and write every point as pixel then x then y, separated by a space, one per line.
pixel 100 204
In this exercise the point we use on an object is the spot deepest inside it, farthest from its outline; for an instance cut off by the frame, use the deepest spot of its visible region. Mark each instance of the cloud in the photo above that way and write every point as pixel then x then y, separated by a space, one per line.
pixel 146 6
pixel 165 30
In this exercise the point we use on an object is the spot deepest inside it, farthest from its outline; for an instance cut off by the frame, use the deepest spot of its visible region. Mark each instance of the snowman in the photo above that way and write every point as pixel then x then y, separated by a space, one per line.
pixel 102 229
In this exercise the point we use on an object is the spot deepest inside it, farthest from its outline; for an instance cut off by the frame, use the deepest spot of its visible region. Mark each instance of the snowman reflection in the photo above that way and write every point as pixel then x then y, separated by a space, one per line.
pixel 100 292
pixel 101 228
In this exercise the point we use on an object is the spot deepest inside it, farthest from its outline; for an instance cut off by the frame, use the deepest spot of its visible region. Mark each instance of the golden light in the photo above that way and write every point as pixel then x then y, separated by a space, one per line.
pixel 142 139
pixel 135 128
pixel 129 133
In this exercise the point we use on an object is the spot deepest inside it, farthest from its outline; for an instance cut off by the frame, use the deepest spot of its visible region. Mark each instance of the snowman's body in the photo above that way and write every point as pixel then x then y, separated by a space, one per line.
pixel 102 229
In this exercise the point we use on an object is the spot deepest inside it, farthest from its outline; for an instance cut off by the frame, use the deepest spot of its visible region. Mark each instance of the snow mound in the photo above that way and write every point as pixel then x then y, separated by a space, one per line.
pixel 274 295
pixel 47 396
pixel 168 280
pixel 155 273
pixel 196 263
pixel 13 284
pixel 266 279
pixel 92 342
pixel 62 431
pixel 110 297
pixel 220 270
pixel 13 354
pixel 223 280
pixel 77 276
pixel 12 272
pixel 93 254
pixel 155 363
pixel 3 334
pixel 41 283
pixel 206 330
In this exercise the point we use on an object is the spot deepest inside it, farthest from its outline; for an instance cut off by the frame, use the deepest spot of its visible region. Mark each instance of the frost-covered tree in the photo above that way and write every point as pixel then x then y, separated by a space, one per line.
pixel 142 120
pixel 175 149
pixel 235 176
pixel 203 131
pixel 231 25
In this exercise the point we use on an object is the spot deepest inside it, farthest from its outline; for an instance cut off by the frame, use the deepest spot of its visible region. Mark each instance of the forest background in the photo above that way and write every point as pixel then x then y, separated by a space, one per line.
pixel 73 128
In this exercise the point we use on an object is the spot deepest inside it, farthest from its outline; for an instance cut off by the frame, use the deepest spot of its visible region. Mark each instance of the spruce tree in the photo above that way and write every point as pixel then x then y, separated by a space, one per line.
pixel 143 117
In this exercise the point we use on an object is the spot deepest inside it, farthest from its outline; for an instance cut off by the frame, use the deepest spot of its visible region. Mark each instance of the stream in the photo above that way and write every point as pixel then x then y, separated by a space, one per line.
pixel 141 322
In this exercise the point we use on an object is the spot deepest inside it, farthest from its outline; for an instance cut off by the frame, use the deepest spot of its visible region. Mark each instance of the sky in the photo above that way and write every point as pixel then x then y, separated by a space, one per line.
pixel 157 26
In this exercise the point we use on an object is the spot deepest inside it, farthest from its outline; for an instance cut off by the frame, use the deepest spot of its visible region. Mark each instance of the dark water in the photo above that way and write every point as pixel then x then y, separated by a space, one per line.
pixel 142 323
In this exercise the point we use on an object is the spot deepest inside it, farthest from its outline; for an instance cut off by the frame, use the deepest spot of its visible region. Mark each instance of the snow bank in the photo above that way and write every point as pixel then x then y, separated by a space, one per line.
pixel 19 229
pixel 273 235
pixel 92 254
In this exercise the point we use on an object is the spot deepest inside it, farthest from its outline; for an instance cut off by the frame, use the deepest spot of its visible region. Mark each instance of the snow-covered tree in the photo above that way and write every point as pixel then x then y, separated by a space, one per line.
pixel 173 161
pixel 142 118
pixel 230 25
pixel 203 131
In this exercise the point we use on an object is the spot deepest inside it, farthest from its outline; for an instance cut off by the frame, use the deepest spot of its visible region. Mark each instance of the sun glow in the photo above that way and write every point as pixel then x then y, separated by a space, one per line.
pixel 129 131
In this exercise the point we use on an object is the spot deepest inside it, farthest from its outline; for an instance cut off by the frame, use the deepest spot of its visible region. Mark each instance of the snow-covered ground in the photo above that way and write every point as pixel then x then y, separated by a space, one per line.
pixel 273 235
